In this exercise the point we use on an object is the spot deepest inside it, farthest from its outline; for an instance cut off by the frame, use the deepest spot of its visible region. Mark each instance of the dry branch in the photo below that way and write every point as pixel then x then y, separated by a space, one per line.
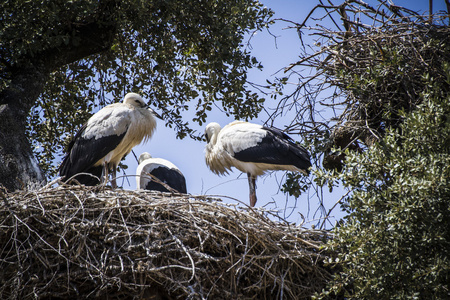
pixel 369 70
pixel 79 242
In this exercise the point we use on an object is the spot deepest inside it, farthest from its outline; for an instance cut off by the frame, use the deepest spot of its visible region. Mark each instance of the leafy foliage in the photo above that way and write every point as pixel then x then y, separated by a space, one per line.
pixel 395 243
pixel 385 76
pixel 180 55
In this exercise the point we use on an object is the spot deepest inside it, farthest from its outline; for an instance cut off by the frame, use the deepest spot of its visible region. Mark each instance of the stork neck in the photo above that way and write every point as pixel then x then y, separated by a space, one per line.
pixel 215 134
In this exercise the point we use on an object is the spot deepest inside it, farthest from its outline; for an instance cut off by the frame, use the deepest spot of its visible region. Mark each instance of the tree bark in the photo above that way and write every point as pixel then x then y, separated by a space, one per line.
pixel 18 166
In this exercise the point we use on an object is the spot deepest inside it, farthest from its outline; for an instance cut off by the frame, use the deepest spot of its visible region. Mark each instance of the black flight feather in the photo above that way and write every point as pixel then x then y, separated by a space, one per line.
pixel 276 148
pixel 170 177
pixel 83 153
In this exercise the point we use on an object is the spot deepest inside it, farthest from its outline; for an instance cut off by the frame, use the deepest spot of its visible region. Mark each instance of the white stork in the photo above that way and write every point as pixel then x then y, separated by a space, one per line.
pixel 106 138
pixel 163 170
pixel 252 149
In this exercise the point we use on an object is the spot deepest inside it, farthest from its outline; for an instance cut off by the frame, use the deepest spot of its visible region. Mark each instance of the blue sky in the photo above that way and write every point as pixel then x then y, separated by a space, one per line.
pixel 188 155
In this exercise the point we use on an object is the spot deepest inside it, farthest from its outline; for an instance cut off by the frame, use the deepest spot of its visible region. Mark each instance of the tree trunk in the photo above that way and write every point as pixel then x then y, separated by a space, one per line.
pixel 18 166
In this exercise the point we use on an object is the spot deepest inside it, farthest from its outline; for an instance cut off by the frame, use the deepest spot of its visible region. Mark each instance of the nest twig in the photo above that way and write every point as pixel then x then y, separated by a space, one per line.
pixel 84 242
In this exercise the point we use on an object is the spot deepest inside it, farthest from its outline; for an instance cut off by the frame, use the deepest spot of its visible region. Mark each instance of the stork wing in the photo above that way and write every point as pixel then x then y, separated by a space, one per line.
pixel 162 169
pixel 101 134
pixel 173 178
pixel 260 144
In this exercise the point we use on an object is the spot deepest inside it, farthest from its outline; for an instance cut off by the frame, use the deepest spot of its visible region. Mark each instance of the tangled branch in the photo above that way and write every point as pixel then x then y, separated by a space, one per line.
pixel 374 63
pixel 76 242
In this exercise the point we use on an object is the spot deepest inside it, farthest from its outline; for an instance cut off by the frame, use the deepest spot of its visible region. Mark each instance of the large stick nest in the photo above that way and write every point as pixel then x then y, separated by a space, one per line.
pixel 368 65
pixel 78 242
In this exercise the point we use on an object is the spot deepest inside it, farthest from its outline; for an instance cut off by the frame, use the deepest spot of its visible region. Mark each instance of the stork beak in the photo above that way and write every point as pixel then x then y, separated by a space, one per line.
pixel 155 113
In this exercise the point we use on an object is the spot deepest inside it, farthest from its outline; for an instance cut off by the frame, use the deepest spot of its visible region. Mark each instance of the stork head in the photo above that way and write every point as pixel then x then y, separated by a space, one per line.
pixel 211 132
pixel 134 100
pixel 144 156
pixel 137 101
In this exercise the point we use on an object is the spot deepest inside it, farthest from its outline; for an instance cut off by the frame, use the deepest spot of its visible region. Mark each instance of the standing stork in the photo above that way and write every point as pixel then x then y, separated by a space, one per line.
pixel 252 149
pixel 163 170
pixel 106 138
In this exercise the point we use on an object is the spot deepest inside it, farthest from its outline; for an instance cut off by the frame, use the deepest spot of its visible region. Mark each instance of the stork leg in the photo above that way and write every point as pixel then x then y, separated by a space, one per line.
pixel 105 174
pixel 113 181
pixel 252 186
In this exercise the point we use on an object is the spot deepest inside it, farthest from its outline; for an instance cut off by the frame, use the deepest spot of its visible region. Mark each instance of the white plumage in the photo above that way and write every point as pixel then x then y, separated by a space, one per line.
pixel 106 138
pixel 161 169
pixel 252 149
